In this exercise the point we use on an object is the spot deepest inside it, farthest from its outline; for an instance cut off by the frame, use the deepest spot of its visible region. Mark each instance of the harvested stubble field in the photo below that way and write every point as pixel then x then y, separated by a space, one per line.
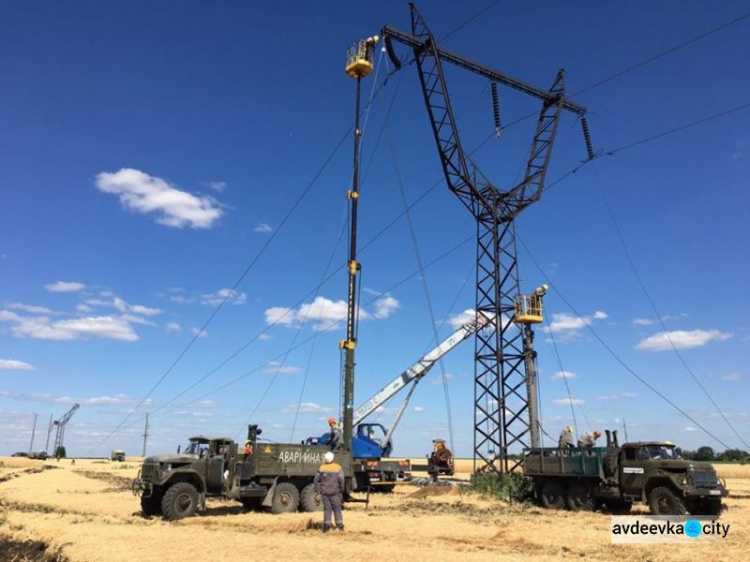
pixel 86 512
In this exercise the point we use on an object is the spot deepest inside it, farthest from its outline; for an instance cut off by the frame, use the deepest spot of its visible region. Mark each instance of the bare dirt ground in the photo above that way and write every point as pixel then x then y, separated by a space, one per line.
pixel 53 511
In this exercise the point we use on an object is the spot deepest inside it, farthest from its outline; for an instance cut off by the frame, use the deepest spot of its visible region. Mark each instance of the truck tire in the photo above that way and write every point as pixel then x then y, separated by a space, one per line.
pixel 310 500
pixel 180 501
pixel 151 505
pixel 663 501
pixel 579 497
pixel 285 498
pixel 552 495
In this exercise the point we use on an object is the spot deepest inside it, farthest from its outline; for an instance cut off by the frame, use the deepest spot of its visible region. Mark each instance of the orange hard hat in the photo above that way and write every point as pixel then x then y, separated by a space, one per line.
pixel 331 421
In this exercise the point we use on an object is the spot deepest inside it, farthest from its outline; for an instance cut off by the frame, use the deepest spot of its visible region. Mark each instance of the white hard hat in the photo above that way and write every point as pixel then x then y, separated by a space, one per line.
pixel 328 456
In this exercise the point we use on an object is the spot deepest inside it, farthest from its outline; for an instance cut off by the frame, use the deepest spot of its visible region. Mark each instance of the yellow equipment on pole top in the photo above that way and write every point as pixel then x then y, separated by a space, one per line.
pixel 359 57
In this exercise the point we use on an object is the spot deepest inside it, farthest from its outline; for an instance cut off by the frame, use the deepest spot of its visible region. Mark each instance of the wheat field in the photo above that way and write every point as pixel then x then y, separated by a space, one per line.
pixel 86 512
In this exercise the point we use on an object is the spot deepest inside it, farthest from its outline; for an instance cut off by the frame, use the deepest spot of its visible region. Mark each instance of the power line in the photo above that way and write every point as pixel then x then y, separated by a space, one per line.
pixel 680 128
pixel 642 285
pixel 616 356
pixel 305 341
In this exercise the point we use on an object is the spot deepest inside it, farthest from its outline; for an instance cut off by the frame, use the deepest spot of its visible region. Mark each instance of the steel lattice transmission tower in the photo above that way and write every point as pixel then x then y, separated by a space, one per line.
pixel 501 416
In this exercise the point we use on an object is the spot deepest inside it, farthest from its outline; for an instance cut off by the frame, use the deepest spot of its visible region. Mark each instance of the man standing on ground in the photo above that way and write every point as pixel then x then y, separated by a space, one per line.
pixel 329 483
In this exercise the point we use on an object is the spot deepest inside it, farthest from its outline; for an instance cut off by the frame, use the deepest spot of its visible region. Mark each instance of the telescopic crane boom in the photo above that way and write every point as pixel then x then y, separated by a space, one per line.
pixel 419 369
pixel 61 423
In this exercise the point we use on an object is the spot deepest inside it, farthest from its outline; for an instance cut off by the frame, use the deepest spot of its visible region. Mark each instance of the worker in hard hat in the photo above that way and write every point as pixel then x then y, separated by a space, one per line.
pixel 336 436
pixel 248 450
pixel 566 438
pixel 329 483
pixel 589 438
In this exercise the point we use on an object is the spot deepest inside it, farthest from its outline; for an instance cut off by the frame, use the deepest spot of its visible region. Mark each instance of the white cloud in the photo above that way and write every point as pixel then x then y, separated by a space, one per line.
pixel 642 322
pixel 41 327
pixel 217 185
pixel 85 308
pixel 689 428
pixel 32 309
pixel 276 367
pixel 385 306
pixel 568 402
pixel 142 193
pixel 442 379
pixel 228 295
pixel 65 286
pixel 106 400
pixel 263 228
pixel 139 309
pixel 732 377
pixel 173 327
pixel 681 339
pixel 264 337
pixel 418 409
pixel 458 320
pixel 201 404
pixel 15 365
pixel 565 375
pixel 327 314
pixel 569 326
pixel 307 408
pixel 198 332
pixel 181 299
pixel 621 396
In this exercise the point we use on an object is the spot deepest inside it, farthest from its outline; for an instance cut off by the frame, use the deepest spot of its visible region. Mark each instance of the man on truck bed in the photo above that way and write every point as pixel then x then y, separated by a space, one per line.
pixel 589 438
pixel 566 438
pixel 329 483
pixel 336 440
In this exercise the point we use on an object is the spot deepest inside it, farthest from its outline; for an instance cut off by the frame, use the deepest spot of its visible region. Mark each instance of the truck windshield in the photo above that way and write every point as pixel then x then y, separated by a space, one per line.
pixel 656 452
pixel 195 448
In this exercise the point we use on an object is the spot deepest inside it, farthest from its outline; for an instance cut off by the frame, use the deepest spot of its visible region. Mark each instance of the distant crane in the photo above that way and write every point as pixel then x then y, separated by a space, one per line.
pixel 61 423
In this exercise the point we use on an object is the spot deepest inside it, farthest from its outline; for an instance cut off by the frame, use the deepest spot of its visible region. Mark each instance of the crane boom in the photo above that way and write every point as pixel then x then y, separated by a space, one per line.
pixel 419 369
pixel 61 423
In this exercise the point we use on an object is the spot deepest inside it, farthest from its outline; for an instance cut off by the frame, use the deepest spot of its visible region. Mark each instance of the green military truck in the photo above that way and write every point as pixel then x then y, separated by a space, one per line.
pixel 272 475
pixel 618 476
pixel 117 455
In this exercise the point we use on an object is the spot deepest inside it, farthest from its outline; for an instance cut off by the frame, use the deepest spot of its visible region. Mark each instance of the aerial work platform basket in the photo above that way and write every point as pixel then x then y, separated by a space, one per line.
pixel 528 309
pixel 359 57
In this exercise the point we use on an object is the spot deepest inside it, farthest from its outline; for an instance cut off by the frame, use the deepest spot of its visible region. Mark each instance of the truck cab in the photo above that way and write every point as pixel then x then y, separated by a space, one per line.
pixel 655 472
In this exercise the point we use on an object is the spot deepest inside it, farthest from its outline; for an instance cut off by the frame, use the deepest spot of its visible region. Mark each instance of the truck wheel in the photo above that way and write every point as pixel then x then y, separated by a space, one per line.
pixel 553 495
pixel 151 505
pixel 310 500
pixel 180 501
pixel 579 497
pixel 285 498
pixel 663 501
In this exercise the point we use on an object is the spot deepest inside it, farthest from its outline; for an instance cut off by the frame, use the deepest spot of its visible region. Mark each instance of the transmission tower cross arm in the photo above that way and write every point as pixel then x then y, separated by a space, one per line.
pixel 420 368
pixel 391 34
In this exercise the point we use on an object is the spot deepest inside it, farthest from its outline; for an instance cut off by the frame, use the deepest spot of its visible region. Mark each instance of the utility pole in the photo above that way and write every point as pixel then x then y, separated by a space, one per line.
pixel 359 63
pixel 33 432
pixel 145 436
pixel 49 432
pixel 625 430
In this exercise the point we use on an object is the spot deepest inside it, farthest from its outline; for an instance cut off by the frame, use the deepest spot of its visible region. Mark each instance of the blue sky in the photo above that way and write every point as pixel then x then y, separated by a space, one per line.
pixel 148 153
